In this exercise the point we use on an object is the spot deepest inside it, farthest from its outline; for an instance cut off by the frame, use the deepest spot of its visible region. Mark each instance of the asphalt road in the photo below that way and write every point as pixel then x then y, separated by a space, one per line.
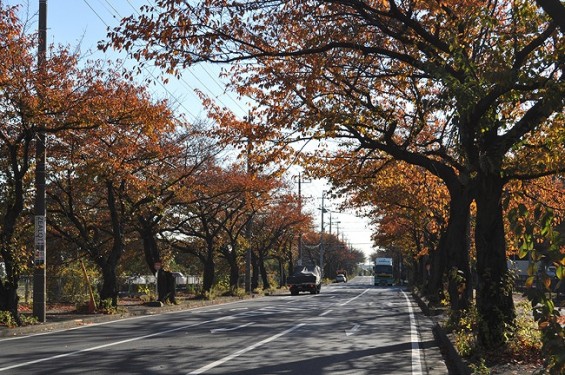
pixel 351 328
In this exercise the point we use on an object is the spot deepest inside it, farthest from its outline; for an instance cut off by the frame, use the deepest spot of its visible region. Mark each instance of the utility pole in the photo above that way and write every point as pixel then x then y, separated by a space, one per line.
pixel 249 225
pixel 300 212
pixel 39 278
pixel 322 236
pixel 337 228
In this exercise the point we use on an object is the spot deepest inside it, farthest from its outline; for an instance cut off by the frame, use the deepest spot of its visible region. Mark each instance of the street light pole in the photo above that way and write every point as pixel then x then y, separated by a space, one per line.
pixel 39 278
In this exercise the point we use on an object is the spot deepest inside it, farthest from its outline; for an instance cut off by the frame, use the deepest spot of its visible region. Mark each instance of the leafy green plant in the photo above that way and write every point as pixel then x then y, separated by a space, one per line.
pixel 210 294
pixel 192 289
pixel 106 307
pixel 238 292
pixel 70 285
pixel 532 227
pixel 271 291
pixel 464 325
pixel 525 335
pixel 480 368
pixel 28 320
pixel 7 319
pixel 147 292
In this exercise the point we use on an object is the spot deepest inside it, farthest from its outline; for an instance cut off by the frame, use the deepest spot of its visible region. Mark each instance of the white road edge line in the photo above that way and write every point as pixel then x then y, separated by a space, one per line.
pixel 210 366
pixel 414 339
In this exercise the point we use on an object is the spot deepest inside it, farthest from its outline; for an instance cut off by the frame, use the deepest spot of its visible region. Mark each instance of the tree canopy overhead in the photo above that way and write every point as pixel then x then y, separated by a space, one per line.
pixel 460 88
pixel 459 82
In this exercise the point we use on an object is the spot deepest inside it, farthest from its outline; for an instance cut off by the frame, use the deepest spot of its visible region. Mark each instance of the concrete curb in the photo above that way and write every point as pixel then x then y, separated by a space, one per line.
pixel 63 324
pixel 456 363
pixel 455 360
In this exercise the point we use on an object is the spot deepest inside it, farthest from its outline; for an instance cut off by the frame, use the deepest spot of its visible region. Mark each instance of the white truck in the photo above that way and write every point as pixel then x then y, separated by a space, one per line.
pixel 383 271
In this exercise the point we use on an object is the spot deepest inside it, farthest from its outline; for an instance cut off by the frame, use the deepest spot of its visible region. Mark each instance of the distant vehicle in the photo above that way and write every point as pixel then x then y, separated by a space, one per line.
pixel 180 279
pixel 519 268
pixel 383 271
pixel 305 279
pixel 340 278
pixel 140 280
pixel 522 269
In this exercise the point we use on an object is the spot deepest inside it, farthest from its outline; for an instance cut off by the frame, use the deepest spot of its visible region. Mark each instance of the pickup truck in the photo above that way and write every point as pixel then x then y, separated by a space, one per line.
pixel 305 279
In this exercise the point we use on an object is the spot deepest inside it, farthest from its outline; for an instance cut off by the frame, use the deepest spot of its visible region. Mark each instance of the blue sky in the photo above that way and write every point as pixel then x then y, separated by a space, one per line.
pixel 80 24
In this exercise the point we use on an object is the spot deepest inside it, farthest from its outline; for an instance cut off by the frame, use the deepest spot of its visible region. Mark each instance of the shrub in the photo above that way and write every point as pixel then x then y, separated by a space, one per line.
pixel 7 319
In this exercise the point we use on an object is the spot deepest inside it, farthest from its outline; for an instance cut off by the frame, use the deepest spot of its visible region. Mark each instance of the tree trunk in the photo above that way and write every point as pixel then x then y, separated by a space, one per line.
pixel 264 277
pixel 494 294
pixel 282 276
pixel 457 243
pixel 290 263
pixel 109 288
pixel 13 203
pixel 231 257
pixel 255 271
pixel 9 300
pixel 417 276
pixel 452 257
pixel 150 247
pixel 110 282
pixel 209 271
pixel 437 262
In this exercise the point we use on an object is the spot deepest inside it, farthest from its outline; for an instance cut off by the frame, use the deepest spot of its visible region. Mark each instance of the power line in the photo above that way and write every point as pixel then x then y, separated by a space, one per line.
pixel 145 68
pixel 183 80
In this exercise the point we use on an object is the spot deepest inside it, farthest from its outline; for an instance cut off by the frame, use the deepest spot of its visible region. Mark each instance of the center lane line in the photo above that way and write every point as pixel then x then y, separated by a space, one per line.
pixel 217 363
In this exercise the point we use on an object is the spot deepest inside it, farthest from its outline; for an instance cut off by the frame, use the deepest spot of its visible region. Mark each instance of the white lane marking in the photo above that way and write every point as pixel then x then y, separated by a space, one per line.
pixel 230 329
pixel 119 320
pixel 210 366
pixel 354 298
pixel 103 346
pixel 227 317
pixel 352 331
pixel 325 312
pixel 211 310
pixel 414 339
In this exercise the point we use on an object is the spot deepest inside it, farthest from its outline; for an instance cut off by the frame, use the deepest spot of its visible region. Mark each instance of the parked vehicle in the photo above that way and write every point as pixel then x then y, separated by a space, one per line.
pixel 305 279
pixel 180 279
pixel 140 280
